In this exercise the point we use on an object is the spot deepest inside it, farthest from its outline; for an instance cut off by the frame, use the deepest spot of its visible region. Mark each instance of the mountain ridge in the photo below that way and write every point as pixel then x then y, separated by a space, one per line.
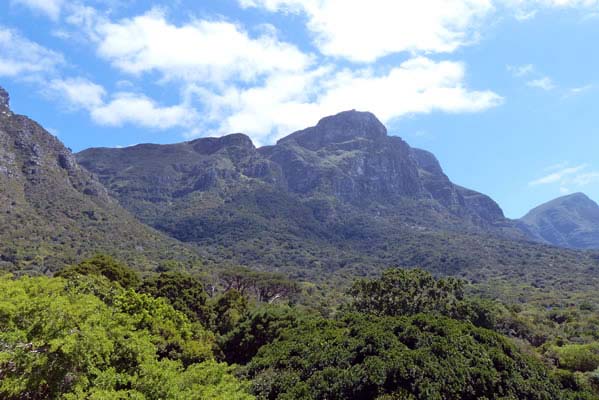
pixel 321 203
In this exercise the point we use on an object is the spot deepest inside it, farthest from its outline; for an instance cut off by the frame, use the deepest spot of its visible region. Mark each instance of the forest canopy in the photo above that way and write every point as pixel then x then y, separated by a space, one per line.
pixel 104 333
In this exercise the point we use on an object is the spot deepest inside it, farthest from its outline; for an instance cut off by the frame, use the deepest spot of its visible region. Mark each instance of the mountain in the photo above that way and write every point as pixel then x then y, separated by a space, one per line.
pixel 345 160
pixel 569 221
pixel 341 197
pixel 54 212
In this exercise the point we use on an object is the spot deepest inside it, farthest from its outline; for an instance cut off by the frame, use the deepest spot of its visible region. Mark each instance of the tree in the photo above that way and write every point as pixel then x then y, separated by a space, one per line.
pixel 61 342
pixel 184 292
pixel 423 356
pixel 240 279
pixel 271 287
pixel 105 265
pixel 261 327
pixel 229 309
pixel 266 286
pixel 407 292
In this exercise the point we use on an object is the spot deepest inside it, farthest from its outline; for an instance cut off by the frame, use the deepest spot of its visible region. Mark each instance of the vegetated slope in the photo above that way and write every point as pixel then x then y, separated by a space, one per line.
pixel 568 221
pixel 53 212
pixel 341 197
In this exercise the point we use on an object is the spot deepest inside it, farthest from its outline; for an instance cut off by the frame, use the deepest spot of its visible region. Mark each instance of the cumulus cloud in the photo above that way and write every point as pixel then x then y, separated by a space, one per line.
pixel 199 50
pixel 261 85
pixel 123 107
pixel 78 92
pixel 50 8
pixel 289 102
pixel 22 58
pixel 365 31
pixel 142 111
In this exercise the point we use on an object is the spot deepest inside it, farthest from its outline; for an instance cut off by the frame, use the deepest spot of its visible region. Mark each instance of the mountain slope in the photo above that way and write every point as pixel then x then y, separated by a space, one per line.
pixel 569 221
pixel 339 197
pixel 53 212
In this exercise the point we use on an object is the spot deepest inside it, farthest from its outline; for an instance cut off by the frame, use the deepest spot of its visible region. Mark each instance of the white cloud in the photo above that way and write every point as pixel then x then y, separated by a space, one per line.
pixel 199 50
pixel 579 90
pixel 22 58
pixel 544 83
pixel 51 8
pixel 142 111
pixel 78 92
pixel 123 108
pixel 365 31
pixel 558 176
pixel 260 85
pixel 289 102
pixel 566 177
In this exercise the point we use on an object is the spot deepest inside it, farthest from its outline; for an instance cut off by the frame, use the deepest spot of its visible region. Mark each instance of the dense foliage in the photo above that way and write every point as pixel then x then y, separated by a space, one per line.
pixel 420 357
pixel 102 264
pixel 405 335
pixel 60 341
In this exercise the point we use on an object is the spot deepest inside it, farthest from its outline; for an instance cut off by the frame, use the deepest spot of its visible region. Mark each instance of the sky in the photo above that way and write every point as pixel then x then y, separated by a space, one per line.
pixel 504 92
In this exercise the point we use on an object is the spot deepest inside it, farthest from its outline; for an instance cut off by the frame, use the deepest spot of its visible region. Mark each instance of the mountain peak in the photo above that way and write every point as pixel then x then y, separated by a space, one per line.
pixel 571 201
pixel 569 221
pixel 353 124
pixel 578 196
pixel 339 128
pixel 4 99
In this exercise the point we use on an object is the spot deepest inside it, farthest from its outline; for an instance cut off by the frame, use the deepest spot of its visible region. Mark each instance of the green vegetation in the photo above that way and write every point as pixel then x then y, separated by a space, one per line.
pixel 60 341
pixel 106 266
pixel 96 332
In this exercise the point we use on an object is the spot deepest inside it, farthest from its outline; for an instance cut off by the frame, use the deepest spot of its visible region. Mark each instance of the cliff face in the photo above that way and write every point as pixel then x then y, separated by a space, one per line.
pixel 53 211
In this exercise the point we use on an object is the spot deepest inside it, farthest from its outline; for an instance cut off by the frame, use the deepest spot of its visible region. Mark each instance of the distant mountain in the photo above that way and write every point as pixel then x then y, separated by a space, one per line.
pixel 341 196
pixel 53 212
pixel 569 221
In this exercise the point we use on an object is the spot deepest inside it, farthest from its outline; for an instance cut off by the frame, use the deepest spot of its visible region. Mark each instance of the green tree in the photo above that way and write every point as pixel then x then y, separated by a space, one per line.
pixel 417 357
pixel 229 309
pixel 184 292
pixel 259 328
pixel 412 291
pixel 59 341
pixel 105 265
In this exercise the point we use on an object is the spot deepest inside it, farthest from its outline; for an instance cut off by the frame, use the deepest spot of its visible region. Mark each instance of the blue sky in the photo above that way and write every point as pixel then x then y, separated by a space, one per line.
pixel 503 92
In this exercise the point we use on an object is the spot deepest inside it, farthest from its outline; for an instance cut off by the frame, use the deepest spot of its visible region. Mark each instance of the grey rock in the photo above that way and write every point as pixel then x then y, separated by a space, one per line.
pixel 4 99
